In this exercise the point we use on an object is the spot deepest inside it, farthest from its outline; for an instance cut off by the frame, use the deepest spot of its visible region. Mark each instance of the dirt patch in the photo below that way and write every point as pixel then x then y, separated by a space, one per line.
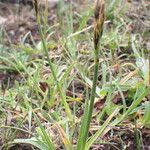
pixel 19 20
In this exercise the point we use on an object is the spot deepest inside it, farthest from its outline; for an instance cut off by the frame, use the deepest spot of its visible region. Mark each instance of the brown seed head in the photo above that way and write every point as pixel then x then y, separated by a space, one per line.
pixel 99 21
pixel 36 5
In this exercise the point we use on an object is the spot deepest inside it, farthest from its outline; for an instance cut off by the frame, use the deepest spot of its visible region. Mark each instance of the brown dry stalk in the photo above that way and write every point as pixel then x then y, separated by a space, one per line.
pixel 36 6
pixel 99 21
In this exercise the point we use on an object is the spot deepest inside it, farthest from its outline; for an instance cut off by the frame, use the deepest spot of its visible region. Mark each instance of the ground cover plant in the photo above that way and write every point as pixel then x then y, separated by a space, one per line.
pixel 74 75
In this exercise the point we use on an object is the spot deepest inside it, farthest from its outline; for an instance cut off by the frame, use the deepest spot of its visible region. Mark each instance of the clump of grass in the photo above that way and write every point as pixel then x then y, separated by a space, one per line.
pixel 30 96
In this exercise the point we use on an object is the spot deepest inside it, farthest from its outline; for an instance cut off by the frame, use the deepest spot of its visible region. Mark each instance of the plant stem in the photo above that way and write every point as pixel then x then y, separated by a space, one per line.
pixel 93 92
pixel 89 109
pixel 137 137
pixel 98 30
pixel 63 97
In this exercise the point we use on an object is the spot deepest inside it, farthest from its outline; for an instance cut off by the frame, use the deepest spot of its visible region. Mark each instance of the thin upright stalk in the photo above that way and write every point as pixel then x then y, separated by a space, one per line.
pixel 63 97
pixel 98 30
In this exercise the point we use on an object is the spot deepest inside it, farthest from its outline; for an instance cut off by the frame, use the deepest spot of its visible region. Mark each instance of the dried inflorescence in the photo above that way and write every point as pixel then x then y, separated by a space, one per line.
pixel 99 21
pixel 36 5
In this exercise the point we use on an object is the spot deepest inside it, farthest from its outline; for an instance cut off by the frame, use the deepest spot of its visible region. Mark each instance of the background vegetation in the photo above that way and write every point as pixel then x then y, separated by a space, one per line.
pixel 46 73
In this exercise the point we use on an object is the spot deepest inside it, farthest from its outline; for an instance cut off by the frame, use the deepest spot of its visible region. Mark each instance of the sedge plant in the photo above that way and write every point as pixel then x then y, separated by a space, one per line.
pixel 98 30
pixel 62 95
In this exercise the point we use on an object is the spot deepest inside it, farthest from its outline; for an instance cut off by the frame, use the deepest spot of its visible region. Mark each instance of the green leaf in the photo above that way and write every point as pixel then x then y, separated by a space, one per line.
pixel 33 141
pixel 46 138
pixel 146 117
pixel 101 129
pixel 137 101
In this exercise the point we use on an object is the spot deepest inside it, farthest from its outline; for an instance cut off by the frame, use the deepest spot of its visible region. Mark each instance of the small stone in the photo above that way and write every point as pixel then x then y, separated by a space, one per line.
pixel 21 29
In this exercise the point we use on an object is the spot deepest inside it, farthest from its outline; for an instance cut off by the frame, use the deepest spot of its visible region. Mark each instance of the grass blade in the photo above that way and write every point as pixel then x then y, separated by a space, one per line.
pixel 101 129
